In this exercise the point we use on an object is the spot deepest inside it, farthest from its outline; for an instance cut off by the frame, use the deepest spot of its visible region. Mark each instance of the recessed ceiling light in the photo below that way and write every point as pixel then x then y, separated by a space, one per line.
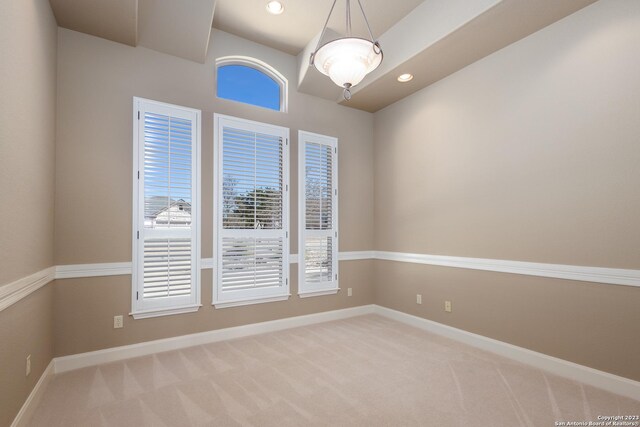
pixel 275 7
pixel 403 78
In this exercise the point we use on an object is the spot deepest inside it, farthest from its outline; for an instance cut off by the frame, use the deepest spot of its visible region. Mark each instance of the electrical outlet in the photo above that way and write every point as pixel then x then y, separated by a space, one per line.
pixel 117 322
pixel 418 299
pixel 447 306
pixel 349 292
pixel 28 369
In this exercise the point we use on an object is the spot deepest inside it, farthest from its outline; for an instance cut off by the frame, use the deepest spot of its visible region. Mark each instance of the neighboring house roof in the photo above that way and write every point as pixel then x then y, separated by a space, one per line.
pixel 185 206
pixel 178 212
pixel 155 204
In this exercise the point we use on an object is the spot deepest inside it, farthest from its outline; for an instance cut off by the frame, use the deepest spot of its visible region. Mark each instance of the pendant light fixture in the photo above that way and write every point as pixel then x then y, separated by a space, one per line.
pixel 349 59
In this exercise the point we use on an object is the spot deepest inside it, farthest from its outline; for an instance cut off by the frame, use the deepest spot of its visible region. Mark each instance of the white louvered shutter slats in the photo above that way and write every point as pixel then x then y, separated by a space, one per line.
pixel 252 246
pixel 318 229
pixel 166 259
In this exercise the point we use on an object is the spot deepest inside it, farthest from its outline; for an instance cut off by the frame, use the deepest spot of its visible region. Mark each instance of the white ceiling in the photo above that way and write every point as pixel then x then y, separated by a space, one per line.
pixel 161 25
pixel 303 19
pixel 156 24
pixel 433 42
pixel 429 38
pixel 115 20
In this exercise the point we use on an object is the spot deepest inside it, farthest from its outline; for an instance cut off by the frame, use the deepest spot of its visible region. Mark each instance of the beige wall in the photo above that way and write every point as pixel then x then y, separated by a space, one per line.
pixel 587 323
pixel 27 137
pixel 530 154
pixel 25 328
pixel 97 80
pixel 84 310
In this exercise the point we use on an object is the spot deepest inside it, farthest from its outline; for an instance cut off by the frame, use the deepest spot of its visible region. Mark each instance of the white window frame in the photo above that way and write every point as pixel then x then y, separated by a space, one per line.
pixel 323 288
pixel 140 308
pixel 247 296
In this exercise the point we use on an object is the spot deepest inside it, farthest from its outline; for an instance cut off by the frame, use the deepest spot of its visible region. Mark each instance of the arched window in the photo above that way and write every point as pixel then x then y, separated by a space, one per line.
pixel 252 82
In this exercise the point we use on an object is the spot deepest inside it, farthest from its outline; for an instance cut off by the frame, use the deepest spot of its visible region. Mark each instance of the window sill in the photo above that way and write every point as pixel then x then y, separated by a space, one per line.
pixel 238 303
pixel 318 293
pixel 165 311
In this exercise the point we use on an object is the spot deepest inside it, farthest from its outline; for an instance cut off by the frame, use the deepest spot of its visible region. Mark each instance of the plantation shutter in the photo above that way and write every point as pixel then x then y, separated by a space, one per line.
pixel 318 179
pixel 251 224
pixel 166 243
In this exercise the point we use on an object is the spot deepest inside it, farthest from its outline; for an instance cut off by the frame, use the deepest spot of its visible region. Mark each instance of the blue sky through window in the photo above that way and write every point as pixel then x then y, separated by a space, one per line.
pixel 245 84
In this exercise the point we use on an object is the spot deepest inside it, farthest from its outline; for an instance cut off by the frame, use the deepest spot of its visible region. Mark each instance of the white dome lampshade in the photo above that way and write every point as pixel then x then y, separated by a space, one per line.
pixel 347 60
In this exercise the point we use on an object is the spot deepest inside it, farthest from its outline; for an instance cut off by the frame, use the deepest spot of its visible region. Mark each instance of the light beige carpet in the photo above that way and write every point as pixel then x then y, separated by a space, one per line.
pixel 364 371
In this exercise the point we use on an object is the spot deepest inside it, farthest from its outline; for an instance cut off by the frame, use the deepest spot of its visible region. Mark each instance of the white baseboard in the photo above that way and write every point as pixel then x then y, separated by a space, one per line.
pixel 76 361
pixel 593 377
pixel 30 405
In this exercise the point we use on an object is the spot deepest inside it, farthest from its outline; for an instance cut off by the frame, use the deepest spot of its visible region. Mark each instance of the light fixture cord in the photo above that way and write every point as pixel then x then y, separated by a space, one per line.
pixel 324 30
pixel 348 17
pixel 376 44
pixel 366 21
